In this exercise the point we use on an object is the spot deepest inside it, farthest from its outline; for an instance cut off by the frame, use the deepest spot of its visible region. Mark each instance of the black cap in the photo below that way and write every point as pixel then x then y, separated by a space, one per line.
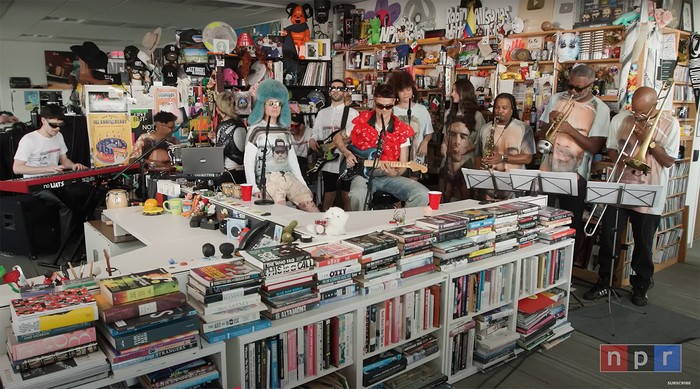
pixel 297 118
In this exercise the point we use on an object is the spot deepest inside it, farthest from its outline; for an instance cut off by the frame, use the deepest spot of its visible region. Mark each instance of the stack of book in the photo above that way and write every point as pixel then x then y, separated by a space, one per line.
pixel 415 244
pixel 144 316
pixel 422 377
pixel 419 348
pixel 505 225
pixel 335 265
pixel 460 346
pixel 381 366
pixel 528 225
pixel 198 373
pixel 556 225
pixel 48 328
pixel 534 320
pixel 480 229
pixel 226 298
pixel 288 286
pixel 495 349
pixel 493 322
pixel 562 329
pixel 378 262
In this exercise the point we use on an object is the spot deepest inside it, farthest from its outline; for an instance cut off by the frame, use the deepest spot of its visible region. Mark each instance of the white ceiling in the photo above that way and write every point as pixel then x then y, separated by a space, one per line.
pixel 118 23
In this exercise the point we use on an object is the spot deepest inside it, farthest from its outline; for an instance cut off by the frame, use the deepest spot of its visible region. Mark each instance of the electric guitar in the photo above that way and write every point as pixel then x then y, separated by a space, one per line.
pixel 365 161
pixel 326 153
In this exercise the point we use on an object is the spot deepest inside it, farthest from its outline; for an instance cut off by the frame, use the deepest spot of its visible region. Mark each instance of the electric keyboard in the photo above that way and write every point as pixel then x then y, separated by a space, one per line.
pixel 54 181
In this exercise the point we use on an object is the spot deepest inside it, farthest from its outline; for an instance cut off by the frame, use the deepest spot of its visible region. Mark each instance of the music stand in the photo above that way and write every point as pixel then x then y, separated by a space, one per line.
pixel 619 194
pixel 488 179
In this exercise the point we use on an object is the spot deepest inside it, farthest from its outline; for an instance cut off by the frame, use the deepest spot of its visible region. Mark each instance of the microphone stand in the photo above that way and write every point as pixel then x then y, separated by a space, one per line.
pixel 263 168
pixel 378 155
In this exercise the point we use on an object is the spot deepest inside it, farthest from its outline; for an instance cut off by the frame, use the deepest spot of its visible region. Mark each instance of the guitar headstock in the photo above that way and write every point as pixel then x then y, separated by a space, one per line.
pixel 419 167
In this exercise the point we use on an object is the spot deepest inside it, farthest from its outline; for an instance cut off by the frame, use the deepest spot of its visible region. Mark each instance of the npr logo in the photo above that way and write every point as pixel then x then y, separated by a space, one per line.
pixel 640 357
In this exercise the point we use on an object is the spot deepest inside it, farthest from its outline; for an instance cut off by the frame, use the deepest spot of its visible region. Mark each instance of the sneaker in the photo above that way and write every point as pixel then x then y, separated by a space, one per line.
pixel 600 289
pixel 639 297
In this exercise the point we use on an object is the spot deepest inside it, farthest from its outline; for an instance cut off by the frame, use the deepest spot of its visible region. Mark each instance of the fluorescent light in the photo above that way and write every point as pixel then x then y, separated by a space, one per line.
pixel 249 2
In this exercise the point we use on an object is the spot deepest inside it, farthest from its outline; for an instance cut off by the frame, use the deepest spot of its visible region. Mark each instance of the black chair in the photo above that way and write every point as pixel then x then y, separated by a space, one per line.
pixel 384 200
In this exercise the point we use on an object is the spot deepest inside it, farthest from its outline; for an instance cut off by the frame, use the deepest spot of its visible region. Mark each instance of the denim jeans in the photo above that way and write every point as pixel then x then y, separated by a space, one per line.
pixel 404 189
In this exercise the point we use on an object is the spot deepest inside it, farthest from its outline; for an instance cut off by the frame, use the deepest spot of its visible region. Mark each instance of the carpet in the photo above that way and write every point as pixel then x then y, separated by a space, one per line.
pixel 653 324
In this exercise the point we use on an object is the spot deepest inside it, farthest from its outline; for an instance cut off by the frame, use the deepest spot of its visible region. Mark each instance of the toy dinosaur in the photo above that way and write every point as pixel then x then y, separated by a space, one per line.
pixel 375 31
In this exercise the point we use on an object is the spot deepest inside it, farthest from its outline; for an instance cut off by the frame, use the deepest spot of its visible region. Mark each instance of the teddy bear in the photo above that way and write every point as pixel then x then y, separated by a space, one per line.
pixel 332 223
pixel 297 33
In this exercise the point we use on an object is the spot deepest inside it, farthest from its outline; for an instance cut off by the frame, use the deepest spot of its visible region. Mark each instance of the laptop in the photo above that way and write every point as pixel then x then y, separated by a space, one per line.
pixel 202 161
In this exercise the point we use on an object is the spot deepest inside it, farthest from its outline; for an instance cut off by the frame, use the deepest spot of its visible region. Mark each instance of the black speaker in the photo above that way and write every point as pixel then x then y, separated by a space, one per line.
pixel 28 226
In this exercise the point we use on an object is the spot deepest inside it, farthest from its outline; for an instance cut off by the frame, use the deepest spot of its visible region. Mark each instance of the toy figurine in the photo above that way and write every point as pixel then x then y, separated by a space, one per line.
pixel 568 47
pixel 333 223
pixel 374 31
pixel 14 278
pixel 297 33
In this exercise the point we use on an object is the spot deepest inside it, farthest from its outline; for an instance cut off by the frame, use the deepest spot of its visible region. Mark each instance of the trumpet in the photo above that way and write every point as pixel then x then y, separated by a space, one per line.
pixel 488 149
pixel 637 160
pixel 546 145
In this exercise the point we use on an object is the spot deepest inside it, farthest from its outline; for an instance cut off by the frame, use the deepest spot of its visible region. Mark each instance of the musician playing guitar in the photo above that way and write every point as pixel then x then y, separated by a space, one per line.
pixel 43 152
pixel 393 146
pixel 329 121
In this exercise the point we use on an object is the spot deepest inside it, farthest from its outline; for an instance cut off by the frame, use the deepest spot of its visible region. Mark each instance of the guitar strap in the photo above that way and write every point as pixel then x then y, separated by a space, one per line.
pixel 344 118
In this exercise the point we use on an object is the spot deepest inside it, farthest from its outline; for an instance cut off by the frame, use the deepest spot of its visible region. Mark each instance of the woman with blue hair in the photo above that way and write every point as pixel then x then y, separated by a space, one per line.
pixel 284 179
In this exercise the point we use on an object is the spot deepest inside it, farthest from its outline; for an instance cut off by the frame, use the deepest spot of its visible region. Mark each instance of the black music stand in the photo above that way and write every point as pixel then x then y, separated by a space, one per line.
pixel 488 179
pixel 617 195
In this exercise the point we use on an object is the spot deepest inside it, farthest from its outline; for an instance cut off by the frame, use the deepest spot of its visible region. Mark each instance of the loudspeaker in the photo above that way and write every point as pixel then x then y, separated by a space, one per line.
pixel 28 226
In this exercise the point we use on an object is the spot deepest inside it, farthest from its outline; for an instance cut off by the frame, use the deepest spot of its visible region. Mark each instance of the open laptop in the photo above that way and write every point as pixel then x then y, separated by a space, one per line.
pixel 203 161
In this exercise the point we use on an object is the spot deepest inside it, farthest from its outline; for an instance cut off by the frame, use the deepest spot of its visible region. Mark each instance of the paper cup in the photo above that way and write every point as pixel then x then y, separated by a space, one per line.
pixel 246 192
pixel 434 199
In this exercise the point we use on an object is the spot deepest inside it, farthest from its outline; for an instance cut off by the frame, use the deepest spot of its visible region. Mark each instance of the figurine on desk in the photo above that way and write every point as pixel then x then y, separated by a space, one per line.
pixel 43 152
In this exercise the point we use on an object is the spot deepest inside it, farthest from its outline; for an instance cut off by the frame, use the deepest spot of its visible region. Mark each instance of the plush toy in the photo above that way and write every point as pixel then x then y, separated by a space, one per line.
pixel 568 47
pixel 333 222
pixel 375 31
pixel 15 278
pixel 297 33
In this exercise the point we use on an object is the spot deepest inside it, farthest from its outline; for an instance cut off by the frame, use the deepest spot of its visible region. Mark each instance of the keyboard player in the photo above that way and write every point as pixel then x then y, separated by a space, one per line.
pixel 43 152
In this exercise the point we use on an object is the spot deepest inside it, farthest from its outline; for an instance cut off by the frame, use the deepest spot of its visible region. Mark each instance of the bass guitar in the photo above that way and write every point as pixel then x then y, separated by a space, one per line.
pixel 365 162
pixel 326 153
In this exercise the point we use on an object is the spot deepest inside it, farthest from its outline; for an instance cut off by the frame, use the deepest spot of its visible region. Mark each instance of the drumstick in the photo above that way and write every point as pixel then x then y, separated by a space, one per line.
pixel 70 266
pixel 91 263
pixel 109 266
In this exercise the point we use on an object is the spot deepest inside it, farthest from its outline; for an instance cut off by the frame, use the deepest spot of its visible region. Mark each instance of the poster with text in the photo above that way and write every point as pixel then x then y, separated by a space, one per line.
pixel 110 138
pixel 141 121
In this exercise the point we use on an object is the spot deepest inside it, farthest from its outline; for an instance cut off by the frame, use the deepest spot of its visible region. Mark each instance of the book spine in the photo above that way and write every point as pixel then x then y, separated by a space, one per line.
pixel 282 365
pixel 150 348
pixel 335 260
pixel 204 370
pixel 381 324
pixel 213 283
pixel 290 311
pixel 301 352
pixel 46 359
pixel 157 354
pixel 48 345
pixel 381 363
pixel 258 364
pixel 309 348
pixel 274 270
pixel 251 365
pixel 140 323
pixel 235 331
pixel 283 292
pixel 142 293
pixel 246 367
pixel 212 309
pixel 50 322
pixel 129 311
pixel 323 274
pixel 171 375
pixel 326 343
pixel 53 332
pixel 348 336
pixel 318 338
pixel 273 364
pixel 230 322
pixel 173 329
pixel 418 270
pixel 291 349
pixel 207 299
pixel 197 381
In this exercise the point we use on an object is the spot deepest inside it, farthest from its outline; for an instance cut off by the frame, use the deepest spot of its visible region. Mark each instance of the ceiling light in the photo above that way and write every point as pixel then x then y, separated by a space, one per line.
pixel 250 2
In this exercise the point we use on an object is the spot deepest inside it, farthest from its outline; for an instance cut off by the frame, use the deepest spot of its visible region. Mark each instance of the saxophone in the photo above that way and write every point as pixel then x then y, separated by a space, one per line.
pixel 488 149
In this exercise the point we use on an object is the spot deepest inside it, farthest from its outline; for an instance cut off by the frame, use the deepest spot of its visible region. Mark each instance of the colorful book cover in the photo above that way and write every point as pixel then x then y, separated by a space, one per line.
pixel 522 207
pixel 56 320
pixel 121 327
pixel 141 121
pixel 409 233
pixel 441 222
pixel 111 313
pixel 472 215
pixel 371 243
pixel 224 273
pixel 333 253
pixel 267 257
pixel 19 351
pixel 110 138
pixel 50 303
pixel 138 286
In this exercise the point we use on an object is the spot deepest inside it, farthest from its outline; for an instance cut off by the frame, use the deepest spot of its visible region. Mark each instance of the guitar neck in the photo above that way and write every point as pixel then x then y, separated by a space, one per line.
pixel 394 164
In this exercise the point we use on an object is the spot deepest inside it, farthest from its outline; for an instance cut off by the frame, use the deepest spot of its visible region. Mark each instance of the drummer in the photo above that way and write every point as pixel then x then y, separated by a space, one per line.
pixel 158 158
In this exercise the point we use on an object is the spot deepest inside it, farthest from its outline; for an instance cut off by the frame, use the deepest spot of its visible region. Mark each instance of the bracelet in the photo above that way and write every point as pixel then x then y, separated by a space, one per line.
pixel 504 158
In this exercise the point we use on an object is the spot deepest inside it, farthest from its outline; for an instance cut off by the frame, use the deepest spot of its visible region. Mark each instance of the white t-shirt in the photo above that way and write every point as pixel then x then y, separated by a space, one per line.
pixel 37 150
pixel 420 122
pixel 327 122
pixel 301 145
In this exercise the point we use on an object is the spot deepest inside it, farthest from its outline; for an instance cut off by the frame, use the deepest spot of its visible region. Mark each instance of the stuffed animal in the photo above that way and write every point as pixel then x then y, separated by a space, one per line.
pixel 298 32
pixel 333 222
pixel 568 47
pixel 375 31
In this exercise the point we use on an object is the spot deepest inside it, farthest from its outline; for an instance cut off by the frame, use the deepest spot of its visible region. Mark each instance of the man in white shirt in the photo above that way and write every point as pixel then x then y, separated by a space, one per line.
pixel 43 152
pixel 329 121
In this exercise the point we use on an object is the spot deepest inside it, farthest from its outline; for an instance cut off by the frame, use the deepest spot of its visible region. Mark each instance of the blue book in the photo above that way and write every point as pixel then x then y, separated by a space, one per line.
pixel 235 331
pixel 274 369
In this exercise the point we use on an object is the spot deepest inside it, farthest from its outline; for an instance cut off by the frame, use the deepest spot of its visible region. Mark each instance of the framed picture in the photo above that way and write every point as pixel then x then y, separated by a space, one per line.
pixel 324 48
pixel 686 23
pixel 676 7
pixel 367 60
pixel 311 50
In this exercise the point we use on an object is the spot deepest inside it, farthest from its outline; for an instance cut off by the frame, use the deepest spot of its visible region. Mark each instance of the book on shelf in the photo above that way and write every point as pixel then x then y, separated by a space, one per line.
pixel 138 286
pixel 224 273
pixel 235 331
pixel 291 299
pixel 409 233
pixel 233 320
pixel 232 312
pixel 19 351
pixel 56 321
pixel 219 289
pixel 122 327
pixel 227 305
pixel 25 308
pixel 337 270
pixel 177 374
pixel 110 313
pixel 193 344
pixel 334 253
pixel 441 222
pixel 53 332
pixel 207 298
pixel 130 340
pixel 161 346
pixel 371 243
pixel 472 215
pixel 266 258
pixel 50 358
pixel 420 377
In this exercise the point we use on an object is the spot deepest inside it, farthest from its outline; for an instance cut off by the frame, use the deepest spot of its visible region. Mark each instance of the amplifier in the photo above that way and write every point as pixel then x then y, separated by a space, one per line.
pixel 28 226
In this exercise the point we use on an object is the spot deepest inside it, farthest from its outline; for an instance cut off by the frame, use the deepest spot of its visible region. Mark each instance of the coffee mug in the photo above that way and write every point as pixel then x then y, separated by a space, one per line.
pixel 173 206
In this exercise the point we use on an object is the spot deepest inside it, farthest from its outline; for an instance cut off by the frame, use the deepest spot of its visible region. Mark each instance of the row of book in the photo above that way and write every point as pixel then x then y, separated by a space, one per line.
pixel 486 288
pixel 401 318
pixel 542 271
pixel 388 363
pixel 199 373
pixel 281 360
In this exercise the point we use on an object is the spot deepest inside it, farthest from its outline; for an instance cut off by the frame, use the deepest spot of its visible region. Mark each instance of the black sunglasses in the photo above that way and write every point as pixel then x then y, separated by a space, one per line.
pixel 383 106
pixel 56 125
pixel 578 89
pixel 338 89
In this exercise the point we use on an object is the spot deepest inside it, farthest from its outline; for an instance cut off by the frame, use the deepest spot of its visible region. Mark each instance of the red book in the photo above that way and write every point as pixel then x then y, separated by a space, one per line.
pixel 110 313
pixel 333 253
pixel 435 292
pixel 418 270
pixel 534 303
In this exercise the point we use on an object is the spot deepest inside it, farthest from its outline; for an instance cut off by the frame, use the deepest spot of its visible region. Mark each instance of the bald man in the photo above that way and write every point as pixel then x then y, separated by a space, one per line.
pixel 660 156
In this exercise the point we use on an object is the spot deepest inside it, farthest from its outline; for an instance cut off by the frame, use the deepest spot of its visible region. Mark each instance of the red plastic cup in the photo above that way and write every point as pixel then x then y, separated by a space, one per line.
pixel 434 199
pixel 246 192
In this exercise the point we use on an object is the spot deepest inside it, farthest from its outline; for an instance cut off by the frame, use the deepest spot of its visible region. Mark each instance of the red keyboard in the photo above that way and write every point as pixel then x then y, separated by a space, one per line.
pixel 53 181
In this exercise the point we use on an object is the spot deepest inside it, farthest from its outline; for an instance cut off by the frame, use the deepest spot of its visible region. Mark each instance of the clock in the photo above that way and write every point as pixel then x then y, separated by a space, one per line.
pixel 534 4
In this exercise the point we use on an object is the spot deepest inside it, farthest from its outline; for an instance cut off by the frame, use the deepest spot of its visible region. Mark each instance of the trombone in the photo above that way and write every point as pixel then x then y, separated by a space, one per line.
pixel 636 160
pixel 546 145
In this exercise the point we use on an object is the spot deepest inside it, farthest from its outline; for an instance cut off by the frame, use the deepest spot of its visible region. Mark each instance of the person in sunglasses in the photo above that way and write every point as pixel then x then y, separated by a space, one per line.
pixel 661 155
pixel 164 127
pixel 580 136
pixel 284 180
pixel 43 152
pixel 395 144
pixel 328 121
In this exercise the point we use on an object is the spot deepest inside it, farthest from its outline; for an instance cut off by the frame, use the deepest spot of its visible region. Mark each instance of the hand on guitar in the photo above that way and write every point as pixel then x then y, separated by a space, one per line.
pixel 313 144
pixel 390 171
pixel 350 159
